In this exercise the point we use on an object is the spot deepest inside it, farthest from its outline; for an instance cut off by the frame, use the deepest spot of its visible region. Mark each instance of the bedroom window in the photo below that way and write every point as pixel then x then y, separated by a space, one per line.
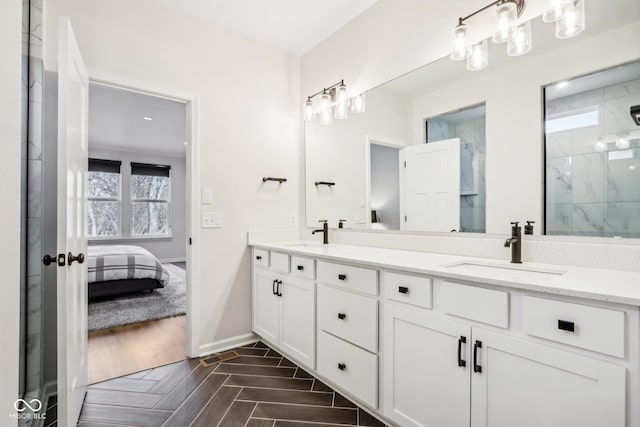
pixel 103 198
pixel 150 196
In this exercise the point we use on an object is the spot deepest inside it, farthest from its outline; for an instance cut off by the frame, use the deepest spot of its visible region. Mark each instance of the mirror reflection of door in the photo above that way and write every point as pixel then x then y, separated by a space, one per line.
pixel 384 194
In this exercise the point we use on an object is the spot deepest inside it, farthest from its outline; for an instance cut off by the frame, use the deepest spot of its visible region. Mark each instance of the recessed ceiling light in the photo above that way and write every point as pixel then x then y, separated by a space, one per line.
pixel 562 84
pixel 148 118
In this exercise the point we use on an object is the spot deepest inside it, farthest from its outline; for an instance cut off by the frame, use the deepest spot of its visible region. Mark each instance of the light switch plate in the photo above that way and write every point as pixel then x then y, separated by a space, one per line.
pixel 207 196
pixel 212 219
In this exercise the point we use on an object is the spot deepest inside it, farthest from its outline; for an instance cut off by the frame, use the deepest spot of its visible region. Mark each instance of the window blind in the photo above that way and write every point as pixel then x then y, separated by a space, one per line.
pixel 149 169
pixel 101 165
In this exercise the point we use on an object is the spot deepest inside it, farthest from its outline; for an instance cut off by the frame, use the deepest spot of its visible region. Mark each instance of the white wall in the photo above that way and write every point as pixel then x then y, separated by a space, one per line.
pixel 10 84
pixel 165 248
pixel 337 153
pixel 249 127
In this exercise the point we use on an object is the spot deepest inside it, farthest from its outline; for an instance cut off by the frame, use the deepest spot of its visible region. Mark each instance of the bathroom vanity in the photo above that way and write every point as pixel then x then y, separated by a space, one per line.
pixel 425 339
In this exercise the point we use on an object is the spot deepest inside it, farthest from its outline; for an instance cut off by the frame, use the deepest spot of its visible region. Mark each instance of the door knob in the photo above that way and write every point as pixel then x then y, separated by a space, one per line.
pixel 79 258
pixel 48 259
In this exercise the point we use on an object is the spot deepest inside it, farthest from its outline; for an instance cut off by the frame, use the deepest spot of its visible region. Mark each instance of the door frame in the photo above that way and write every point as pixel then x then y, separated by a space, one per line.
pixel 375 140
pixel 191 101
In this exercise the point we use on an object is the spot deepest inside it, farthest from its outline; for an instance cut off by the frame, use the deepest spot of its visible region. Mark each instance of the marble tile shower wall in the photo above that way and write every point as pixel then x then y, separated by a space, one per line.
pixel 472 168
pixel 589 192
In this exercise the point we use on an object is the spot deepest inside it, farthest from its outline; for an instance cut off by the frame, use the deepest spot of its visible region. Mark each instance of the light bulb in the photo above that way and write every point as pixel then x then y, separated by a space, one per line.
pixel 506 22
pixel 600 145
pixel 341 110
pixel 326 117
pixel 479 57
pixel 460 49
pixel 308 111
pixel 520 43
pixel 622 140
pixel 553 10
pixel 571 22
pixel 325 101
pixel 359 103
pixel 341 94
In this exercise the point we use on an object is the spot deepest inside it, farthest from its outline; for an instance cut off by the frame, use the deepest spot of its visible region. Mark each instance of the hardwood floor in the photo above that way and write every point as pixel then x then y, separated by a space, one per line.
pixel 260 388
pixel 133 348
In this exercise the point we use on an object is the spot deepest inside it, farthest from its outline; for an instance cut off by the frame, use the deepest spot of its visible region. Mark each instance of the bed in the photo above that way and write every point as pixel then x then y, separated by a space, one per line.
pixel 122 269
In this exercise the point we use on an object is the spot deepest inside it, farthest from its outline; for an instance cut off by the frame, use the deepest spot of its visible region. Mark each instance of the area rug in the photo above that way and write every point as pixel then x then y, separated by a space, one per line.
pixel 139 307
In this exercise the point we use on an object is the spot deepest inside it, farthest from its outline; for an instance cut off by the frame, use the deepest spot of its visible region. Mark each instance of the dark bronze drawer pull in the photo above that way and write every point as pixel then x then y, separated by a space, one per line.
pixel 476 368
pixel 342 366
pixel 342 276
pixel 403 289
pixel 259 257
pixel 342 316
pixel 565 325
pixel 300 267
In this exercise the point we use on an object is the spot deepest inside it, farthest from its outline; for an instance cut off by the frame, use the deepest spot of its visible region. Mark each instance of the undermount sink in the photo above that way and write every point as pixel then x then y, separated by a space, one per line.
pixel 305 245
pixel 479 266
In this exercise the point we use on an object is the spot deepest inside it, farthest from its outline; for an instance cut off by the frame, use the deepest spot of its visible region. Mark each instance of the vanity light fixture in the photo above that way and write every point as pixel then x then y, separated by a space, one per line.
pixel 334 102
pixel 568 16
pixel 600 145
pixel 622 140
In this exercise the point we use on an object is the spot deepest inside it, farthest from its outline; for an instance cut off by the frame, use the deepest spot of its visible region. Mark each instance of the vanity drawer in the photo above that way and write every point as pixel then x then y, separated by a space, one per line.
pixel 412 290
pixel 302 267
pixel 474 303
pixel 348 316
pixel 279 262
pixel 349 367
pixel 261 257
pixel 355 278
pixel 592 328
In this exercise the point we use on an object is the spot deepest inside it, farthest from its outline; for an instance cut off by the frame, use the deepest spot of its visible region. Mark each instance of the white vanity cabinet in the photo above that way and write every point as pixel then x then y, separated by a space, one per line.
pixel 284 308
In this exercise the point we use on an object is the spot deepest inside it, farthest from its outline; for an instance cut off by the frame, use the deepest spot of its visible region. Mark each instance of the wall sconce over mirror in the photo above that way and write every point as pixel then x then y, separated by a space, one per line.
pixel 568 16
pixel 334 103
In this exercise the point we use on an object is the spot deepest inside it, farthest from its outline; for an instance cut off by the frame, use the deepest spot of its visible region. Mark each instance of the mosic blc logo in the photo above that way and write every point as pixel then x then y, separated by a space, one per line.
pixel 27 410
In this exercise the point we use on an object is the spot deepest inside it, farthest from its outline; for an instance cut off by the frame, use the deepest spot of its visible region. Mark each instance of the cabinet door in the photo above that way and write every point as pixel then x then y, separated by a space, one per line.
pixel 526 384
pixel 424 384
pixel 298 320
pixel 266 306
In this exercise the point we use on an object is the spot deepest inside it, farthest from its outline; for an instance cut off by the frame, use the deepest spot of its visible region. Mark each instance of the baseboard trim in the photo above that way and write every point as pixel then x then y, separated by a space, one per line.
pixel 227 344
pixel 173 260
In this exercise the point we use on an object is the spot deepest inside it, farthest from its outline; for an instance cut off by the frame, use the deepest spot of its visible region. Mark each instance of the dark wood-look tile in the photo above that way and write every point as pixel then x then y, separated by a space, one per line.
pixel 194 404
pixel 124 416
pixel 92 424
pixel 273 353
pixel 267 371
pixel 251 351
pixel 270 382
pixel 180 368
pixel 339 401
pixel 125 384
pixel 301 373
pixel 173 377
pixel 238 414
pixel 260 344
pixel 259 422
pixel 287 363
pixel 184 388
pixel 138 375
pixel 315 414
pixel 281 423
pixel 122 398
pixel 366 419
pixel 216 408
pixel 255 360
pixel 286 396
pixel 320 386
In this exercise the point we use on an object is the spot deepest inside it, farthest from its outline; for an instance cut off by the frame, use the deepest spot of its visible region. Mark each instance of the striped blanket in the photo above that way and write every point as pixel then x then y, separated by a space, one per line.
pixel 119 262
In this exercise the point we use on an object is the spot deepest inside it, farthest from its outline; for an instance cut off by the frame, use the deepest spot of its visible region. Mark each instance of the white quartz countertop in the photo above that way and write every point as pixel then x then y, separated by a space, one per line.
pixel 596 284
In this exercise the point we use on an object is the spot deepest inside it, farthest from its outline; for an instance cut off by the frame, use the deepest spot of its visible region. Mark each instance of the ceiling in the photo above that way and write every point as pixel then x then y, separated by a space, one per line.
pixel 117 121
pixel 295 26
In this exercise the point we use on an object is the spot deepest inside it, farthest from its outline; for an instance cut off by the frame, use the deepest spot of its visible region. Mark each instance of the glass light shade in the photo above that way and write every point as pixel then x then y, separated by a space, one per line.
pixel 520 43
pixel 326 117
pixel 325 102
pixel 308 111
pixel 553 10
pixel 571 22
pixel 341 94
pixel 479 56
pixel 600 145
pixel 359 103
pixel 622 140
pixel 460 49
pixel 341 110
pixel 506 14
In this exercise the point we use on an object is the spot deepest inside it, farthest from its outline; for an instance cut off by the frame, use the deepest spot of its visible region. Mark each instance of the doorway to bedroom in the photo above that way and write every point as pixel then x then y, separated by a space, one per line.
pixel 137 231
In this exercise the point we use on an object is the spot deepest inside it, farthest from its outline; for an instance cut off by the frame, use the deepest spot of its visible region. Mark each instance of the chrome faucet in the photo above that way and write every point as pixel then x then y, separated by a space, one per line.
pixel 324 230
pixel 515 241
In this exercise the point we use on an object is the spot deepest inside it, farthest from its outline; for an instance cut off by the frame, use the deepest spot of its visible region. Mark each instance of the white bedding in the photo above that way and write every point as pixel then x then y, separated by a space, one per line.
pixel 119 262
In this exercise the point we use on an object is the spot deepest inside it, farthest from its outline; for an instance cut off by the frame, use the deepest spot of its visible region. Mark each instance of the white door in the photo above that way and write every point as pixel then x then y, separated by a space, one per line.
pixel 426 380
pixel 266 305
pixel 430 186
pixel 526 384
pixel 73 86
pixel 298 320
